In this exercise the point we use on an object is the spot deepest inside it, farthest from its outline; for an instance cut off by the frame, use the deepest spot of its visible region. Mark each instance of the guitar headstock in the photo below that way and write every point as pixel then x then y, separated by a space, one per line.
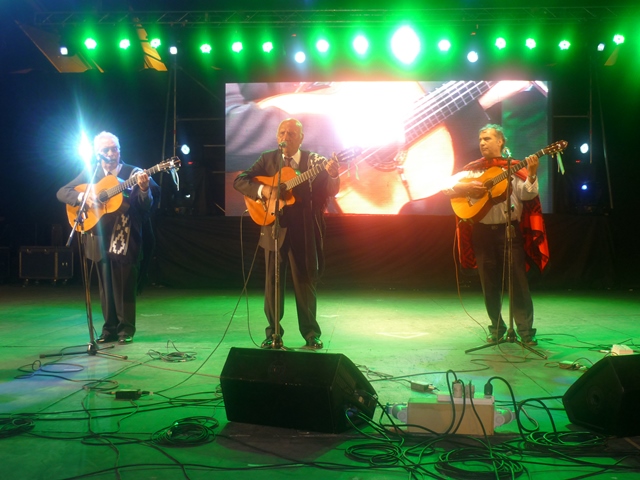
pixel 172 163
pixel 348 155
pixel 557 147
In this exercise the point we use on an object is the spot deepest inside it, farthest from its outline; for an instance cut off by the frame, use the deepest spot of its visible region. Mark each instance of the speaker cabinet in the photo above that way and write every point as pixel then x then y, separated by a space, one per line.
pixel 301 390
pixel 46 263
pixel 606 398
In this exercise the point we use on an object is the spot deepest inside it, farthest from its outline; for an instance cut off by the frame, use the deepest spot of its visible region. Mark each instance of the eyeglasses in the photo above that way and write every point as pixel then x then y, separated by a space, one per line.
pixel 106 150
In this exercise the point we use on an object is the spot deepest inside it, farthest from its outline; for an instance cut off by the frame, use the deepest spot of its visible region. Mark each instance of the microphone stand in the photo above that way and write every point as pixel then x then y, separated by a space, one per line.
pixel 276 336
pixel 92 347
pixel 509 235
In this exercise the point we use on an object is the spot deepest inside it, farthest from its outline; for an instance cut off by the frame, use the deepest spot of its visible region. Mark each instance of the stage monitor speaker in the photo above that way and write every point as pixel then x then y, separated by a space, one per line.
pixel 301 390
pixel 606 398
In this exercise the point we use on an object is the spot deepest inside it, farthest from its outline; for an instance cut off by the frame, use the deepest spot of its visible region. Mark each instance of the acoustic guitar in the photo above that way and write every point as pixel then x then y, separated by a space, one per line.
pixel 109 194
pixel 494 180
pixel 264 212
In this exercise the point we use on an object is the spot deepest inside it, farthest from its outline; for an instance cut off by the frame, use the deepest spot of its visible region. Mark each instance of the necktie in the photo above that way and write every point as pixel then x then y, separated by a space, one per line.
pixel 287 161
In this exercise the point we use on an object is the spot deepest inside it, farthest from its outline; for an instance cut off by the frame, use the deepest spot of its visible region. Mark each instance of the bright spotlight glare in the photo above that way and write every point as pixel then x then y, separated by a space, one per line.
pixel 618 39
pixel 173 50
pixel 267 47
pixel 300 57
pixel 205 48
pixel 185 149
pixel 501 43
pixel 601 47
pixel 155 43
pixel 584 187
pixel 90 43
pixel 564 45
pixel 360 45
pixel 236 47
pixel 85 150
pixel 584 148
pixel 530 43
pixel 405 45
pixel 444 45
pixel 125 43
pixel 322 45
pixel 472 56
pixel 64 50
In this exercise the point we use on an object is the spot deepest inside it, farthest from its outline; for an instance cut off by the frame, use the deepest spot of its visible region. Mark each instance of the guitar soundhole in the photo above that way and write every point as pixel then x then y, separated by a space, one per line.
pixel 103 196
pixel 382 158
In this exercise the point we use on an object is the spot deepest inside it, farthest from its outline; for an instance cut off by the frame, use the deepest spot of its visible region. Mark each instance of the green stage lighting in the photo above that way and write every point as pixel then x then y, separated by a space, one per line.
pixel 236 47
pixel 405 45
pixel 322 45
pixel 618 39
pixel 267 47
pixel 500 43
pixel 564 45
pixel 300 57
pixel 360 44
pixel 90 43
pixel 205 48
pixel 530 43
pixel 155 43
pixel 124 43
pixel 444 45
pixel 472 56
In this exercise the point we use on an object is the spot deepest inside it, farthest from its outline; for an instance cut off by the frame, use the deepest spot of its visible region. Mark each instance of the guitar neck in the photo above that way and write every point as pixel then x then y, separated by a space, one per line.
pixel 130 182
pixel 434 108
pixel 303 177
pixel 514 168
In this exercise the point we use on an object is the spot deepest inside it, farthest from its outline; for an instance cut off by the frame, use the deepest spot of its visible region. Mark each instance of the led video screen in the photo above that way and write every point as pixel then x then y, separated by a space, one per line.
pixel 399 142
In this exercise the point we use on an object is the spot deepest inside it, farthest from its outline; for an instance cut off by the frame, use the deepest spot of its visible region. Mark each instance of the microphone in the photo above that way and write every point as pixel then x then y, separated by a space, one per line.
pixel 102 157
pixel 282 144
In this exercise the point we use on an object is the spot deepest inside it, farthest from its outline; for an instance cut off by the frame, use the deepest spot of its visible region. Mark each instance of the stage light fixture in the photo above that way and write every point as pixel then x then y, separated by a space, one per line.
pixel 444 45
pixel 300 57
pixel 322 45
pixel 236 47
pixel 584 148
pixel 173 50
pixel 530 43
pixel 267 47
pixel 501 43
pixel 124 43
pixel 405 45
pixel 564 45
pixel 360 44
pixel 618 39
pixel 90 43
pixel 205 48
pixel 601 47
pixel 472 56
pixel 64 50
pixel 155 42
pixel 185 149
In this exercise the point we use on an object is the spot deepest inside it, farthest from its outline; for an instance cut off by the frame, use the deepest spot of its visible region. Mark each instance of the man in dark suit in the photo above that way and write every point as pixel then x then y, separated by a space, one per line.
pixel 115 243
pixel 301 229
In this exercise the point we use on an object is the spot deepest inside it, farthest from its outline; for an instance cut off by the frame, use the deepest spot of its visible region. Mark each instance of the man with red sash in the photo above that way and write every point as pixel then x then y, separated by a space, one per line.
pixel 482 241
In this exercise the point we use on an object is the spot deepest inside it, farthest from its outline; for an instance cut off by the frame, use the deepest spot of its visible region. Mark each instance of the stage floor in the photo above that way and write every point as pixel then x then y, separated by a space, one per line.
pixel 61 419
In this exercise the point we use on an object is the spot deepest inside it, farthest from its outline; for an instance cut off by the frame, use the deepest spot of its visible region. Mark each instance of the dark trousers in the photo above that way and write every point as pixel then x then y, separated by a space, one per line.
pixel 304 286
pixel 118 284
pixel 489 246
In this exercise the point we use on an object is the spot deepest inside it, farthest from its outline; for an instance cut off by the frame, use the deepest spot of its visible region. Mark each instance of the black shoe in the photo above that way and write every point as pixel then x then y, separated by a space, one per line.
pixel 125 339
pixel 106 338
pixel 314 343
pixel 530 341
pixel 268 343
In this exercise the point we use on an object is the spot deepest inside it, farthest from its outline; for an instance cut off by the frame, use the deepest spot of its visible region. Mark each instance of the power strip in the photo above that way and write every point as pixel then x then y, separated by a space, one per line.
pixel 621 350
